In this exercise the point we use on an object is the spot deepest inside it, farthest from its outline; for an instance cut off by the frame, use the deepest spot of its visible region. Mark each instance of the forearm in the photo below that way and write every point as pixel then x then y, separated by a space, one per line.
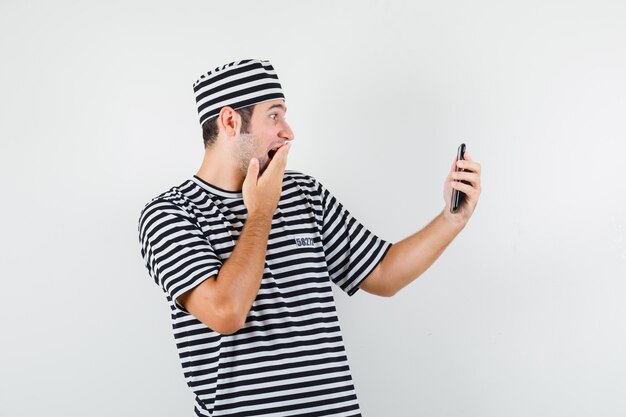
pixel 240 277
pixel 409 258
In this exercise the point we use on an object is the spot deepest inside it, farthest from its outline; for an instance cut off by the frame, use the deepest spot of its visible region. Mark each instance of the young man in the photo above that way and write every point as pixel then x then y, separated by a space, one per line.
pixel 246 252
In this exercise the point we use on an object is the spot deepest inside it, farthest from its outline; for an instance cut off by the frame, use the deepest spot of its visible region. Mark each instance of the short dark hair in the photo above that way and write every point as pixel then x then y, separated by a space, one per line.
pixel 210 129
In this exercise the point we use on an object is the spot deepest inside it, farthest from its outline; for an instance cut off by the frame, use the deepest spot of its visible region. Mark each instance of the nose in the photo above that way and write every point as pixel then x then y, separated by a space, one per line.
pixel 286 132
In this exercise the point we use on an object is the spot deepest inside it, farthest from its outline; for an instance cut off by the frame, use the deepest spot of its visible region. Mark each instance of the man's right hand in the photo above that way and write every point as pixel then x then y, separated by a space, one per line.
pixel 261 194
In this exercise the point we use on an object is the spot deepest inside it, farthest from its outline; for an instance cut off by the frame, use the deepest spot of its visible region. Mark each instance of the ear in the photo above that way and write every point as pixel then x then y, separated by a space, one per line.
pixel 228 121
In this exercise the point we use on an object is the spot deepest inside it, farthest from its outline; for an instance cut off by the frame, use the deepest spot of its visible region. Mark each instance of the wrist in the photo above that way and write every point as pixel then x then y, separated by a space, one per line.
pixel 455 221
pixel 260 218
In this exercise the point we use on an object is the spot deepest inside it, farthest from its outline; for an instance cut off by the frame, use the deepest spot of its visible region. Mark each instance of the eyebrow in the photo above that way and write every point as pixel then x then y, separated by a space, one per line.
pixel 280 106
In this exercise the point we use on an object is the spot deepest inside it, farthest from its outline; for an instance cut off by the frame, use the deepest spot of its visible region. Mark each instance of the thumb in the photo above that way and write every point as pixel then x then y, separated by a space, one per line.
pixel 253 172
pixel 453 167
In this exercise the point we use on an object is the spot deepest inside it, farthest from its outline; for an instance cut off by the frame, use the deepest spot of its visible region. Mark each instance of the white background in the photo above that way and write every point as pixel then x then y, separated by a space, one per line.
pixel 523 314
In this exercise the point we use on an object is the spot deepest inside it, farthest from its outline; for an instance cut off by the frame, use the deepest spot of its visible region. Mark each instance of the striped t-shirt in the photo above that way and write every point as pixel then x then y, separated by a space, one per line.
pixel 289 358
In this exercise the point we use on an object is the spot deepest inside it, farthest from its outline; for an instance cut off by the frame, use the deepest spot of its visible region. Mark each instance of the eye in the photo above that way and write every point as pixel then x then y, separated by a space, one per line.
pixel 272 116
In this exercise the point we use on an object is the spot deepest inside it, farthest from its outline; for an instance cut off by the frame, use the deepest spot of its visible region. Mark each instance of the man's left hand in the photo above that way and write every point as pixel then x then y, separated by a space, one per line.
pixel 471 190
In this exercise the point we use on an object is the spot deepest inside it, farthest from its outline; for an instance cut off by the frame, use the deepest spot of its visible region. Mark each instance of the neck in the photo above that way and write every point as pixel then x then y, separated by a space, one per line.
pixel 220 169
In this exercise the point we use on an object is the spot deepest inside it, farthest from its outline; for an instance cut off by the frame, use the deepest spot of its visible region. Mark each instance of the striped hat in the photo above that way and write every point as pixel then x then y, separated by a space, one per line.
pixel 238 84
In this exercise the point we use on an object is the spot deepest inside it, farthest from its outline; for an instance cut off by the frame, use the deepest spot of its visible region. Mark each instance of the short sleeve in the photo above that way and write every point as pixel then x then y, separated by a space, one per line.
pixel 352 251
pixel 175 251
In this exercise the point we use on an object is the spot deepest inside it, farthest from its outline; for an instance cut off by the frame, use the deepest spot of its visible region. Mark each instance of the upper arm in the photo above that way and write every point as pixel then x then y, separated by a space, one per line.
pixel 203 301
pixel 182 261
pixel 351 249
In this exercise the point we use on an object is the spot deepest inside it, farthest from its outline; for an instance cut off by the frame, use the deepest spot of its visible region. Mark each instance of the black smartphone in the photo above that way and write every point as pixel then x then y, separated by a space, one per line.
pixel 458 196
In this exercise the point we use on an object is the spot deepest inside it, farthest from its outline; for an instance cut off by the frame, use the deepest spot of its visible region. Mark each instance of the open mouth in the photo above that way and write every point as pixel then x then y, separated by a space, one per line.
pixel 273 151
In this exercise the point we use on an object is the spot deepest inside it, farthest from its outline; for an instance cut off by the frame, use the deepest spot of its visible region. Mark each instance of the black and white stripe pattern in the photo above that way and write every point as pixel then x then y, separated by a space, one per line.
pixel 289 358
pixel 238 84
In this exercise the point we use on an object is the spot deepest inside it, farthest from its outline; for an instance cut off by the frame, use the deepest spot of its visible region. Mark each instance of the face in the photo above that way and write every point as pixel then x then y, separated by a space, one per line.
pixel 267 131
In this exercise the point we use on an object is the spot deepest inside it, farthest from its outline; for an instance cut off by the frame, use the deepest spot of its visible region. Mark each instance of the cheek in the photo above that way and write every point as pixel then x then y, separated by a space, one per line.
pixel 263 145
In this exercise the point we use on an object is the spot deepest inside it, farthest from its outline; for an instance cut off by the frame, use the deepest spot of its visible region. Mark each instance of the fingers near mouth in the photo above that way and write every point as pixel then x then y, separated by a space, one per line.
pixel 273 152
